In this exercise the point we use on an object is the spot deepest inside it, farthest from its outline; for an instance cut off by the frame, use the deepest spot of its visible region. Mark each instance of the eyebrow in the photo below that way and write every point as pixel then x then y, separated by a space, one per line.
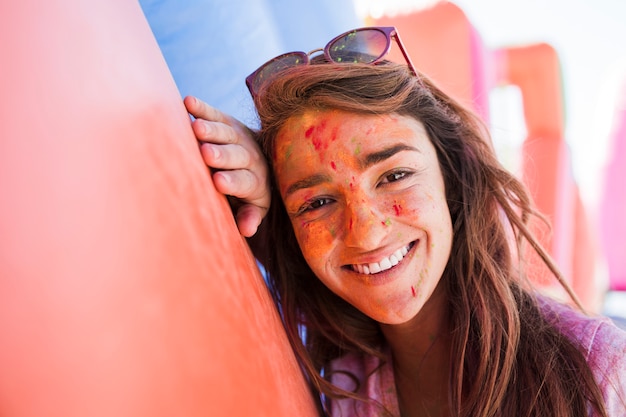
pixel 376 157
pixel 311 181
pixel 365 162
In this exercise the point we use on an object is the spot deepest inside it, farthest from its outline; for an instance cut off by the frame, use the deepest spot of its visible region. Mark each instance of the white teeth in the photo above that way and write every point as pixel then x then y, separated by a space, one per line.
pixel 384 264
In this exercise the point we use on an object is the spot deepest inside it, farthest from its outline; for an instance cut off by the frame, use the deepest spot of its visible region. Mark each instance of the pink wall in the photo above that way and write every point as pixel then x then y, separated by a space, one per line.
pixel 125 288
pixel 613 202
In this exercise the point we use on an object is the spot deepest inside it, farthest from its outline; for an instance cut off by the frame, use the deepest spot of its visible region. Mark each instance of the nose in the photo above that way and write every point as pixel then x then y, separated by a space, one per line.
pixel 366 226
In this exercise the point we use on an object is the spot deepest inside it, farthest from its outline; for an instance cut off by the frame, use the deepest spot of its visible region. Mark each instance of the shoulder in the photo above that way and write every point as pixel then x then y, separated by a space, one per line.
pixel 367 376
pixel 604 346
pixel 349 372
pixel 597 335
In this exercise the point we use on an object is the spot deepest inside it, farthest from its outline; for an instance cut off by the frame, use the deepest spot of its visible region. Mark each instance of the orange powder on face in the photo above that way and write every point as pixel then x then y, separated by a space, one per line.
pixel 282 148
pixel 322 132
pixel 317 241
pixel 318 134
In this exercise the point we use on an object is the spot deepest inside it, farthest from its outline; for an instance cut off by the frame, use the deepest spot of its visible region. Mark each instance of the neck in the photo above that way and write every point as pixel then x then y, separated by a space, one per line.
pixel 421 358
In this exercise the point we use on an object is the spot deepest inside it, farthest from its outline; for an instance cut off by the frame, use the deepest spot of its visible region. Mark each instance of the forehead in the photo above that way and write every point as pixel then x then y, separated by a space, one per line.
pixel 331 140
pixel 320 130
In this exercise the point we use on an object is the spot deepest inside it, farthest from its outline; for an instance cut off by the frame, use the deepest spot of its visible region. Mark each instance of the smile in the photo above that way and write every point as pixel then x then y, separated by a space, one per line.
pixel 385 263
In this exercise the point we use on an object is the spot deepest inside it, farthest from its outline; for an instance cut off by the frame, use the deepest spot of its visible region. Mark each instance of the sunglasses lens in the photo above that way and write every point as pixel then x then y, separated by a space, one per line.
pixel 276 65
pixel 359 46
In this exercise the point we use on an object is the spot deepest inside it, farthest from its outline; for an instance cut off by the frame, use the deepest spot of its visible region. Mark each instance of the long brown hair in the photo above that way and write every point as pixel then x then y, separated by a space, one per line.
pixel 507 360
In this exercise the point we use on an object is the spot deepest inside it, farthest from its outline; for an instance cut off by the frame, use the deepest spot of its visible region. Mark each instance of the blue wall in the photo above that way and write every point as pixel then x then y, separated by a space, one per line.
pixel 211 45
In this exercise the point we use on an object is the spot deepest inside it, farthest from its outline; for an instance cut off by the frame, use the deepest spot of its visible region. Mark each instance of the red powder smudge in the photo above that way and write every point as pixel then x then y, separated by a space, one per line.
pixel 398 209
pixel 316 134
pixel 317 143
pixel 333 166
pixel 413 291
pixel 350 223
pixel 333 136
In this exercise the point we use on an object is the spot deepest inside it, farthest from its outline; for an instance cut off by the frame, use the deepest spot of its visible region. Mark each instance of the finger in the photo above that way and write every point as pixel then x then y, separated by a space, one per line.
pixel 225 156
pixel 215 132
pixel 199 109
pixel 249 218
pixel 239 183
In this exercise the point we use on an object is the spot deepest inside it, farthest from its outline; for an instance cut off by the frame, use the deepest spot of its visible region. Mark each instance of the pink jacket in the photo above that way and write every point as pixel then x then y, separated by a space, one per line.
pixel 604 343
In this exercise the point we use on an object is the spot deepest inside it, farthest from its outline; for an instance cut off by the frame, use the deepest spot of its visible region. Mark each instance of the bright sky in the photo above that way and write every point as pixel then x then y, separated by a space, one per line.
pixel 590 37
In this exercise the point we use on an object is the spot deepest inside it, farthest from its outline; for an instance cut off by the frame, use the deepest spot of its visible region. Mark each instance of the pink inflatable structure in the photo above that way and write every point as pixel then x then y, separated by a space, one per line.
pixel 125 288
pixel 613 203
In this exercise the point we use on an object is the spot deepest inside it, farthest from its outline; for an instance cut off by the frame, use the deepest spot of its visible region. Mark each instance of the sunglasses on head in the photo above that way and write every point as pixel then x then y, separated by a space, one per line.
pixel 367 45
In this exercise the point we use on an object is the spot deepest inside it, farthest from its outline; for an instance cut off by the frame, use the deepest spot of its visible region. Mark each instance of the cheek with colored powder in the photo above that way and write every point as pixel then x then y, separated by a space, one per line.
pixel 393 210
pixel 315 240
pixel 415 289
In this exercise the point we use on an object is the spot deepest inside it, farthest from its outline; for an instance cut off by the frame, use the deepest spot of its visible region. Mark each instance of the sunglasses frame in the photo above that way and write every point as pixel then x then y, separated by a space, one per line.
pixel 390 32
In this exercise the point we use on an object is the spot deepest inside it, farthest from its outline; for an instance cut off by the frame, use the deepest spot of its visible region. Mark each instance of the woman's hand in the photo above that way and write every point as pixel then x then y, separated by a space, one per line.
pixel 241 170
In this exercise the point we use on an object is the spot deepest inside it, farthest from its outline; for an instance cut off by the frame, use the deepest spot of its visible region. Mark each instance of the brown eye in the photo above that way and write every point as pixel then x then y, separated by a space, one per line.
pixel 395 176
pixel 314 204
pixel 318 203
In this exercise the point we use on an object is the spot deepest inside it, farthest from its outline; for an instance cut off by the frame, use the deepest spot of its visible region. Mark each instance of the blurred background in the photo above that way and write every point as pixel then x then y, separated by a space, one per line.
pixel 549 78
pixel 589 39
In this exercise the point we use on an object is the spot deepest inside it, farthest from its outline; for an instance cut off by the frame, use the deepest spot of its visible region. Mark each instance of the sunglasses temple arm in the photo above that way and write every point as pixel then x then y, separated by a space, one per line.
pixel 406 55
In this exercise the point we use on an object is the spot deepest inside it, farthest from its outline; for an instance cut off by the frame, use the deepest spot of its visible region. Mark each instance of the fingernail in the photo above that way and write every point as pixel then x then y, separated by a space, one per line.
pixel 217 154
pixel 212 151
pixel 225 177
pixel 207 128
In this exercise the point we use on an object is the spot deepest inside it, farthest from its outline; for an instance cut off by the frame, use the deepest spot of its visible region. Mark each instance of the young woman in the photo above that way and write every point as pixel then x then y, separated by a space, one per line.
pixel 395 246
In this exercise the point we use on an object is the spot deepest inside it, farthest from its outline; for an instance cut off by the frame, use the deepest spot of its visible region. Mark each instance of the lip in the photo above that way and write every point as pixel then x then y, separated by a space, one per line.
pixel 388 275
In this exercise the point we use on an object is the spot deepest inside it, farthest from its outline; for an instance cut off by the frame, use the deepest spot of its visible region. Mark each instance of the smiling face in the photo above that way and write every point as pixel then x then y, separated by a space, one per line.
pixel 366 199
